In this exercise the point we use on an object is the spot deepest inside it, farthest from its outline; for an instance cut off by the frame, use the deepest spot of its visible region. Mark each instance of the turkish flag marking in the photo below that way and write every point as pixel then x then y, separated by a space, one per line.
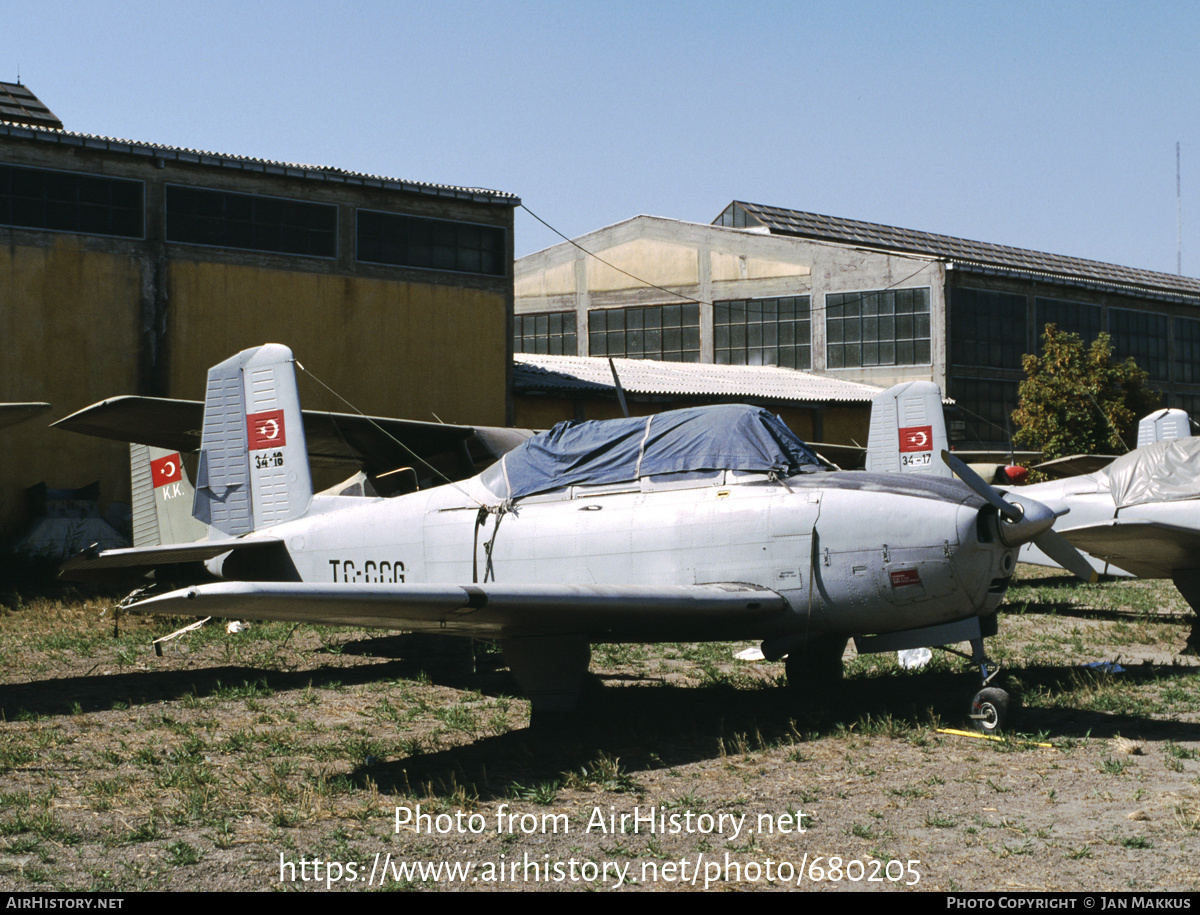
pixel 265 430
pixel 916 438
pixel 165 470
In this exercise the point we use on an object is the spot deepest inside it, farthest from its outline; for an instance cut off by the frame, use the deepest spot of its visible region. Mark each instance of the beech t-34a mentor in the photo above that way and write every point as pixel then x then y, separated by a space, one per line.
pixel 714 523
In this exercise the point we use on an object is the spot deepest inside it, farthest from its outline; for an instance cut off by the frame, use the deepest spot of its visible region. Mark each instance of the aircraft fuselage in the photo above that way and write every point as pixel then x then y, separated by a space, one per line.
pixel 816 539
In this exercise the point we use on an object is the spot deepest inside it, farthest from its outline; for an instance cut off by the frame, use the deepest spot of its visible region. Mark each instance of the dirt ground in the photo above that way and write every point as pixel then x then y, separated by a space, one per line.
pixel 280 759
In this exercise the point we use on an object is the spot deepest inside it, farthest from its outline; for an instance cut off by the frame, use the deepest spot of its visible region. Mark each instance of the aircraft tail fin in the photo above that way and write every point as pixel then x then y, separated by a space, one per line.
pixel 162 498
pixel 908 430
pixel 253 469
pixel 1162 425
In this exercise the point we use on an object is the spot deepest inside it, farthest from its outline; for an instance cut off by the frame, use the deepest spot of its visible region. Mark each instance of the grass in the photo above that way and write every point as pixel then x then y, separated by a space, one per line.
pixel 125 771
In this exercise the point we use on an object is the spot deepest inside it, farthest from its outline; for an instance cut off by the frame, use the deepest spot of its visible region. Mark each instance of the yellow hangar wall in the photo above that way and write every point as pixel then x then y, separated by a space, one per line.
pixel 391 348
pixel 70 322
pixel 68 336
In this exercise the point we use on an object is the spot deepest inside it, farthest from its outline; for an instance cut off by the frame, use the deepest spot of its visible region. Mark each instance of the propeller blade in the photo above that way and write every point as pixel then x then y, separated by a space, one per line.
pixel 1057 547
pixel 981 488
pixel 1023 519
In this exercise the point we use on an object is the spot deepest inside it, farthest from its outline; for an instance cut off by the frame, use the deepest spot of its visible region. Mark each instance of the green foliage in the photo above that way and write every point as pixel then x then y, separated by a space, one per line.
pixel 1076 399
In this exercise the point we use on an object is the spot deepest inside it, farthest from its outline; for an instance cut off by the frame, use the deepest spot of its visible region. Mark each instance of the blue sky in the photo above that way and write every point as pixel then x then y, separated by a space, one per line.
pixel 1042 125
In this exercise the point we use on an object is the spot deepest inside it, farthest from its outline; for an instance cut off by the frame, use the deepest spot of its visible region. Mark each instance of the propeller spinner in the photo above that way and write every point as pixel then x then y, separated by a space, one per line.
pixel 1024 520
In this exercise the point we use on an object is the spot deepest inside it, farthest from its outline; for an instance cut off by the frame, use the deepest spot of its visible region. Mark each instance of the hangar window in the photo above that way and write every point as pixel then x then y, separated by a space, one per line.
pixel 221 219
pixel 39 198
pixel 551 334
pixel 431 244
pixel 987 328
pixel 1074 317
pixel 984 406
pixel 1189 403
pixel 1187 351
pixel 1142 335
pixel 763 332
pixel 889 327
pixel 667 332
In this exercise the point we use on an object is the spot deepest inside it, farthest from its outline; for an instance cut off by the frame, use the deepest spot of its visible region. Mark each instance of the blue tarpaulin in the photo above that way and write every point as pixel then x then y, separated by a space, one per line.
pixel 723 437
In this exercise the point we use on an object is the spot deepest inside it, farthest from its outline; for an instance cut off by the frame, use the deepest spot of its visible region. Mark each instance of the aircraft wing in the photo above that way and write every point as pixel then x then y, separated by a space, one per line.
pixel 1074 465
pixel 1147 549
pixel 13 413
pixel 599 612
pixel 375 443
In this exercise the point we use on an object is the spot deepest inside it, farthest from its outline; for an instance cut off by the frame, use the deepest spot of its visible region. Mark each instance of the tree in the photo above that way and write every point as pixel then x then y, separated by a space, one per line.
pixel 1078 400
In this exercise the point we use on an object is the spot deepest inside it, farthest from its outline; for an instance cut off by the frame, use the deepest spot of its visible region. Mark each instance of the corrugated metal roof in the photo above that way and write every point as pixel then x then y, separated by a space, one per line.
pixel 646 376
pixel 965 253
pixel 245 163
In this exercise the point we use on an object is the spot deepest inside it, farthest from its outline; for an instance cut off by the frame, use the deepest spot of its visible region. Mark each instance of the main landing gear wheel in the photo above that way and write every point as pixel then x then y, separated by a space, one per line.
pixel 814 672
pixel 990 710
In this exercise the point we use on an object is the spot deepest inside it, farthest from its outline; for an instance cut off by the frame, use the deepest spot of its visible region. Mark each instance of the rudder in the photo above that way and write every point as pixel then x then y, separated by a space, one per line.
pixel 254 469
pixel 163 498
pixel 908 430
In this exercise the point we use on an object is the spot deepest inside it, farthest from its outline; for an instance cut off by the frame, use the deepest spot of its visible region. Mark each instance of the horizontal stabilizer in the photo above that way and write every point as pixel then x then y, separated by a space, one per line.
pixel 378 444
pixel 133 562
pixel 13 413
pixel 597 612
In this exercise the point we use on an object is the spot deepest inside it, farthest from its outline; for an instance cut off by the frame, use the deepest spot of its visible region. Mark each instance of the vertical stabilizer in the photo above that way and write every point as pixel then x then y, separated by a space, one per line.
pixel 253 457
pixel 908 430
pixel 162 498
pixel 1162 425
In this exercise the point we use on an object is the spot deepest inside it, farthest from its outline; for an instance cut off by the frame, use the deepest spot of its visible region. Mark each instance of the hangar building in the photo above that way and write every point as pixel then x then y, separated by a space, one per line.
pixel 130 268
pixel 861 302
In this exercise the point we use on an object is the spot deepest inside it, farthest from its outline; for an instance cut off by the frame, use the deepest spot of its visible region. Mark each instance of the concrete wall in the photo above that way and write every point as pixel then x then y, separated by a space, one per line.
pixel 713 263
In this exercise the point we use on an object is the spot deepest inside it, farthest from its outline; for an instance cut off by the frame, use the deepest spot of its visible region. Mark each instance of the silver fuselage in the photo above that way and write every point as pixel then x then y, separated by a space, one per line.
pixel 851 553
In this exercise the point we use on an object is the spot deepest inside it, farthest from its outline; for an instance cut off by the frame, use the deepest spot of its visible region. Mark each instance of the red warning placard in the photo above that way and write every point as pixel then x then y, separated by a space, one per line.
pixel 916 438
pixel 165 470
pixel 903 578
pixel 265 430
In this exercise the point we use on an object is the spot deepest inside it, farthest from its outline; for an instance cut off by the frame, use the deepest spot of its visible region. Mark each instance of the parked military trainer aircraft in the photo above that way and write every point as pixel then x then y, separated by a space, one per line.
pixel 702 524
pixel 1138 516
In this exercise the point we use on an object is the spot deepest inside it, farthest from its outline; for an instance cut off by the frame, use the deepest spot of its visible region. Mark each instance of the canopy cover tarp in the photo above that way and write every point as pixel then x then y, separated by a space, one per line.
pixel 1160 472
pixel 723 437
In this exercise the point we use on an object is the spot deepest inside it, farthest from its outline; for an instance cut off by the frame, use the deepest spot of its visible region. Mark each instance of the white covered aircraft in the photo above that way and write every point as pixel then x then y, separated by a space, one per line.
pixel 713 523
pixel 1140 515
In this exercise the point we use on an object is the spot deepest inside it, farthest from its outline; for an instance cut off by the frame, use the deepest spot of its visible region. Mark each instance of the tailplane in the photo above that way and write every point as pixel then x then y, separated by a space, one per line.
pixel 253 469
pixel 908 430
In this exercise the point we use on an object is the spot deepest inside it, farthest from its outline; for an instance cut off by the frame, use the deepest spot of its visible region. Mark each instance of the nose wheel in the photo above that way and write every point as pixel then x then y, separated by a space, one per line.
pixel 990 709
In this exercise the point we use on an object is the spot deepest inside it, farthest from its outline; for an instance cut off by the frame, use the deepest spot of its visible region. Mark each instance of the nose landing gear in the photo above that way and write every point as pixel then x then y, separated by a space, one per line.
pixel 990 707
